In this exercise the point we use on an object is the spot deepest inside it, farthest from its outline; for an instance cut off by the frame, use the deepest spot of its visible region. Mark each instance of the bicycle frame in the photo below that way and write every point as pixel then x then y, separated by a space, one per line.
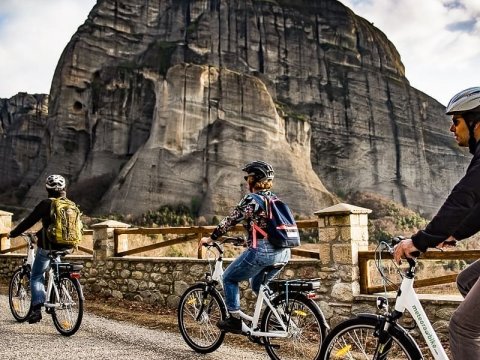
pixel 261 298
pixel 408 299
pixel 51 284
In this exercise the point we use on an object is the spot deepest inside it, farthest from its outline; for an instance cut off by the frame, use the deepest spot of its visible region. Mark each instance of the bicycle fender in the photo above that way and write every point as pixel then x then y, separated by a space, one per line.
pixel 395 328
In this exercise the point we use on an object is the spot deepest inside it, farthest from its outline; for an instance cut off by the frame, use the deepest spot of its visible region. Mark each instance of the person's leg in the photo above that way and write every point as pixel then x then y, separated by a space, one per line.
pixel 268 255
pixel 242 268
pixel 37 281
pixel 464 325
pixel 468 277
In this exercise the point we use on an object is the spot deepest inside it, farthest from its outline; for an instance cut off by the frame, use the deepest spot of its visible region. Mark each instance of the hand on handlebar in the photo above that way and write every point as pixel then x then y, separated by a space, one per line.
pixel 404 248
pixel 449 243
pixel 206 240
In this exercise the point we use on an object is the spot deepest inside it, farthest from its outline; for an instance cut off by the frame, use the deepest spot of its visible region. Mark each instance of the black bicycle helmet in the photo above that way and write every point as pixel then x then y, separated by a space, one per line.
pixel 55 182
pixel 260 170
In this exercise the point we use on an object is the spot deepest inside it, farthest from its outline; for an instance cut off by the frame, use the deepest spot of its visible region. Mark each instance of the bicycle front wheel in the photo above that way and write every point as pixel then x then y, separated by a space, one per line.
pixel 305 328
pixel 199 311
pixel 356 339
pixel 68 311
pixel 19 296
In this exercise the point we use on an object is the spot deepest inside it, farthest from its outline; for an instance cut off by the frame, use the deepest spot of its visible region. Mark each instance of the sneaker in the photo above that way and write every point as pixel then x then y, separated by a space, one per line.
pixel 231 324
pixel 35 316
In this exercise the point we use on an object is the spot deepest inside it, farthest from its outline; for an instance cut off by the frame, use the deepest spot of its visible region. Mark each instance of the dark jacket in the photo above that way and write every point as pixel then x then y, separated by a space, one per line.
pixel 460 213
pixel 40 212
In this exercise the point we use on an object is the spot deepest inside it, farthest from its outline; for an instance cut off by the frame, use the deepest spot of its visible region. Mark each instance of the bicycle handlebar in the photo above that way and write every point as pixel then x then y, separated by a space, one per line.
pixel 235 240
pixel 29 237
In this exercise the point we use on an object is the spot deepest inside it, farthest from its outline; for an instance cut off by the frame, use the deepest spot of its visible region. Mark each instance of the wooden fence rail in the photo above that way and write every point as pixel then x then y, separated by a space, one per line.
pixel 88 250
pixel 365 256
pixel 191 233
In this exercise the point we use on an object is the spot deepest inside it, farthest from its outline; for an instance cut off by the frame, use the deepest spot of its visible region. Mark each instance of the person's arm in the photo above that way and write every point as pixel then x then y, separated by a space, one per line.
pixel 457 215
pixel 35 216
pixel 470 225
pixel 244 210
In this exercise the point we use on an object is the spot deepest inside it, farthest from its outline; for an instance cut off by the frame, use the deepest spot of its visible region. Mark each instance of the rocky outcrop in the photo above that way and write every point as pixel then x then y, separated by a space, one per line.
pixel 164 101
pixel 23 119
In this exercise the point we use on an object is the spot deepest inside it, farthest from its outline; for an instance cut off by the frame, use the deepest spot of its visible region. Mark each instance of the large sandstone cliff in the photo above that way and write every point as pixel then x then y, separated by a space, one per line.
pixel 164 101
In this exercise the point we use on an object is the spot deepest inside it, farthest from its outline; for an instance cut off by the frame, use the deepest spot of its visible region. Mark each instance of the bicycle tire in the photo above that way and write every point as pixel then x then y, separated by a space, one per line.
pixel 19 295
pixel 355 339
pixel 199 330
pixel 68 316
pixel 306 327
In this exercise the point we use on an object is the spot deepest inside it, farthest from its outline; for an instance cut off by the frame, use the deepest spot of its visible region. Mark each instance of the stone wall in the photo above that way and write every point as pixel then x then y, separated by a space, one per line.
pixel 343 231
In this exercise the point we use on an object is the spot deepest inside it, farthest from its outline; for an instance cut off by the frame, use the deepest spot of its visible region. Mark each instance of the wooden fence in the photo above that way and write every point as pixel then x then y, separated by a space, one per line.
pixel 193 233
pixel 85 249
pixel 365 256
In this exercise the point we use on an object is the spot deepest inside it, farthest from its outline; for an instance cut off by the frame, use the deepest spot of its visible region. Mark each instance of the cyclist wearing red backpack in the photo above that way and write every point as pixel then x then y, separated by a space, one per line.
pixel 260 252
pixel 55 185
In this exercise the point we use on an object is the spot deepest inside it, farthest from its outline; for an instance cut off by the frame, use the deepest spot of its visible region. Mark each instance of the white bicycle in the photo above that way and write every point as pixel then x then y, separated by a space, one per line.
pixel 292 325
pixel 371 336
pixel 64 292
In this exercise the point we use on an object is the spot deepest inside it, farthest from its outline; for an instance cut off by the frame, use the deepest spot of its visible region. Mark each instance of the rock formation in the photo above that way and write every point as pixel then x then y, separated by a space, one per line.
pixel 162 102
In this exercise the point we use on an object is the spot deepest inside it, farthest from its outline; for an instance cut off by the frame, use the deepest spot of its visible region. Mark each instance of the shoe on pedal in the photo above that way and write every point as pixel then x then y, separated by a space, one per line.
pixel 231 324
pixel 35 316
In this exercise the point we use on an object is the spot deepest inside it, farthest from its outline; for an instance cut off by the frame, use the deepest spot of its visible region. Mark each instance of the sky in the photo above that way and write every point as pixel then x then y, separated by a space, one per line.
pixel 438 40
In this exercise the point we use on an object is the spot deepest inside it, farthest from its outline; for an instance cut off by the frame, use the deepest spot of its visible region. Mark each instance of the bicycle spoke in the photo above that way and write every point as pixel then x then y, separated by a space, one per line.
pixel 198 314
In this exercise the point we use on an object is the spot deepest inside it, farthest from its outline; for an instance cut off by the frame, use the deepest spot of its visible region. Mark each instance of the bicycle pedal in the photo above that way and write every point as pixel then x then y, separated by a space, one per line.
pixel 256 340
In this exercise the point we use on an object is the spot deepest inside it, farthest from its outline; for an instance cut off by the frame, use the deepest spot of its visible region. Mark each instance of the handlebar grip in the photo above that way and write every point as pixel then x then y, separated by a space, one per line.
pixel 396 240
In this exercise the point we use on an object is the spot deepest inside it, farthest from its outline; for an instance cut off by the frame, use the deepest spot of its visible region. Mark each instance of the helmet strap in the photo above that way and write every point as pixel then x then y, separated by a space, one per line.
pixel 472 142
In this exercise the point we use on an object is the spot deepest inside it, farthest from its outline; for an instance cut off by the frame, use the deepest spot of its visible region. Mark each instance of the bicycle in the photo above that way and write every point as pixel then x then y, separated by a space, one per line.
pixel 64 292
pixel 292 325
pixel 371 336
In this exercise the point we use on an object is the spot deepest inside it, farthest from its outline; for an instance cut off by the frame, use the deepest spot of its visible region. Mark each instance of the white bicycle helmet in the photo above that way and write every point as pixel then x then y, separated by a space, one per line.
pixel 55 182
pixel 464 101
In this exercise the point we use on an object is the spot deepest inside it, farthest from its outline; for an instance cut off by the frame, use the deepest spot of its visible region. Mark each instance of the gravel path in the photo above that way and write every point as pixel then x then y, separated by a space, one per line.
pixel 101 338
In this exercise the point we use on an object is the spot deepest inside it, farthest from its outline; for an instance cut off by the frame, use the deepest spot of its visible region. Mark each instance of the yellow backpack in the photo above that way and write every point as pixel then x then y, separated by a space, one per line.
pixel 66 227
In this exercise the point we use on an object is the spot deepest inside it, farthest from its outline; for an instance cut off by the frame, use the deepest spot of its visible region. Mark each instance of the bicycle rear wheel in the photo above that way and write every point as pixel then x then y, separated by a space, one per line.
pixel 198 312
pixel 19 296
pixel 68 311
pixel 306 328
pixel 355 339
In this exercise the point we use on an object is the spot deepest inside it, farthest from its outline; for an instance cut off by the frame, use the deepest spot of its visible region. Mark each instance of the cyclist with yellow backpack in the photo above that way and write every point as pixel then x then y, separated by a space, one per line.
pixel 61 230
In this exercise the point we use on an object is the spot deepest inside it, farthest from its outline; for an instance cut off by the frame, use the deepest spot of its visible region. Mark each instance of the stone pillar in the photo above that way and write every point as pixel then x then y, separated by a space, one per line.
pixel 5 227
pixel 343 232
pixel 103 239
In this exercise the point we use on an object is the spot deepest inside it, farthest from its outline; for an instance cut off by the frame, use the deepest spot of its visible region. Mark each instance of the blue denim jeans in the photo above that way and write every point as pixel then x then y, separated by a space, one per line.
pixel 250 265
pixel 37 277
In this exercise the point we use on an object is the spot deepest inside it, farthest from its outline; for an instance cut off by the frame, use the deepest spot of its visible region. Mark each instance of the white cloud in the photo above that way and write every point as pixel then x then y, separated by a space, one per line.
pixel 438 40
pixel 33 34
